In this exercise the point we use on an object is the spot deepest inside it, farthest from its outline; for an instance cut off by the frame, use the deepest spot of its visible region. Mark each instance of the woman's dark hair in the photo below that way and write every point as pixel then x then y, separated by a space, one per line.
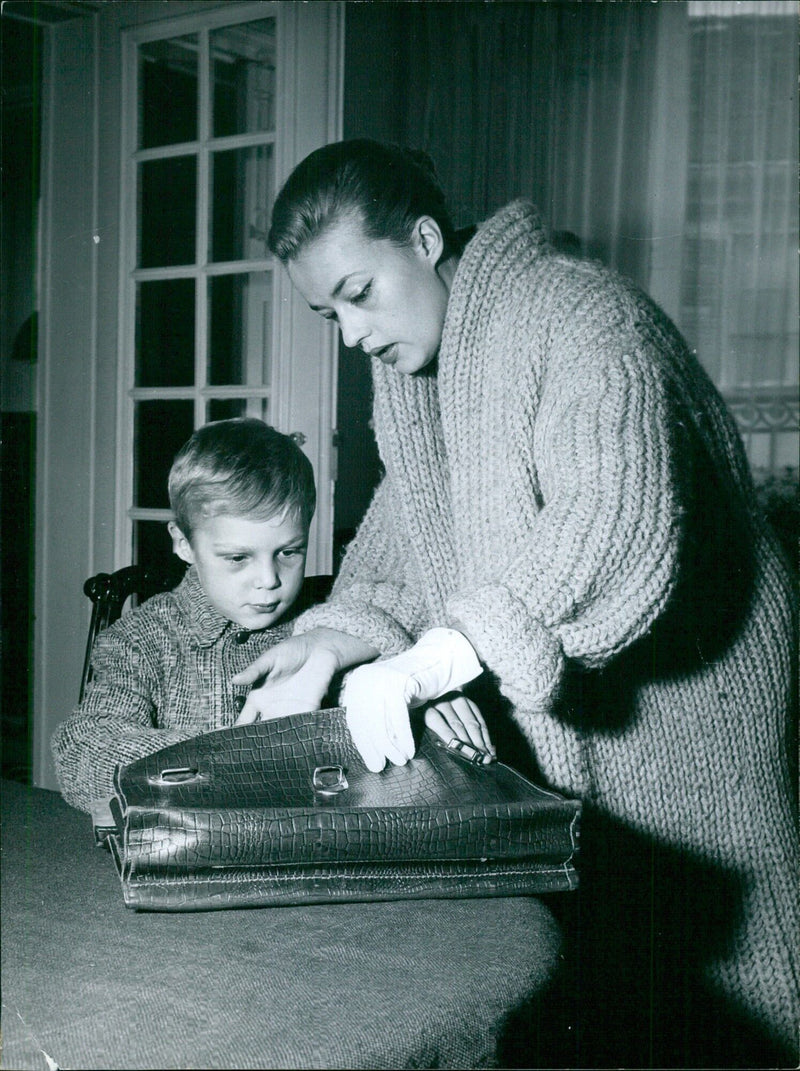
pixel 387 188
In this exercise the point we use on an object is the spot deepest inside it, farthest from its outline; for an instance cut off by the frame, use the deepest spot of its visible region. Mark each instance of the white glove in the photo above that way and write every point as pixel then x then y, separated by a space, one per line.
pixel 377 696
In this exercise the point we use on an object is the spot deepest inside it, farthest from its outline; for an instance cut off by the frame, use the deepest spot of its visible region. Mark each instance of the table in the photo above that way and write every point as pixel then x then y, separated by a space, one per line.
pixel 88 983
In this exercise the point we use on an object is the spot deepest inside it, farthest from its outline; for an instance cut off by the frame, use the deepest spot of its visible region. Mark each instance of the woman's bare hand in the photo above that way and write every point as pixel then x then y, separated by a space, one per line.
pixel 456 716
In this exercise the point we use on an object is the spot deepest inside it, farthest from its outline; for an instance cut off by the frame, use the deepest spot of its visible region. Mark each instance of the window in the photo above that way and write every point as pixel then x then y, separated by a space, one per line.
pixel 739 286
pixel 198 329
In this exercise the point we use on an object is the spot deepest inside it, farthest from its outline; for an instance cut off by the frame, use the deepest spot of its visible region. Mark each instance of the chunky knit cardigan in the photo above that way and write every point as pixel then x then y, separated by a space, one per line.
pixel 161 674
pixel 570 490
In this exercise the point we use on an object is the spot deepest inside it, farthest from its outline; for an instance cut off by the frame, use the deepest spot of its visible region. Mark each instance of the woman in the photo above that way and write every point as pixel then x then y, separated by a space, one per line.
pixel 567 520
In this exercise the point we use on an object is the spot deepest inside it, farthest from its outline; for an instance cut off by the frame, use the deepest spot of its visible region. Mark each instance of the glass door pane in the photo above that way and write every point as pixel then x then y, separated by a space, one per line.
pixel 227 408
pixel 152 545
pixel 242 192
pixel 243 78
pixel 165 333
pixel 167 211
pixel 160 430
pixel 168 91
pixel 240 327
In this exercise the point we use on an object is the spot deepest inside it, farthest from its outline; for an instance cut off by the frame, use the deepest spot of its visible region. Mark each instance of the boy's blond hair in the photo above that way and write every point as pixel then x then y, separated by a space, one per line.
pixel 242 467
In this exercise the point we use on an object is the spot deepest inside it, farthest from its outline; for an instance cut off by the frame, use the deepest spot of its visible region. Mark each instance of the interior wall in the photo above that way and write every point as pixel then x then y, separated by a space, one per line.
pixel 21 87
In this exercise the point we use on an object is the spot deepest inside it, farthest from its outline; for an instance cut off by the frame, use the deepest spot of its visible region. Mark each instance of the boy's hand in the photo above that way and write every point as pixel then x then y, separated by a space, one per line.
pixel 298 672
pixel 298 675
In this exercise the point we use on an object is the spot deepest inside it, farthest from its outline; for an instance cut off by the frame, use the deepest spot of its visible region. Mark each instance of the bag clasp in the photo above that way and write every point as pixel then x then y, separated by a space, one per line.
pixel 329 780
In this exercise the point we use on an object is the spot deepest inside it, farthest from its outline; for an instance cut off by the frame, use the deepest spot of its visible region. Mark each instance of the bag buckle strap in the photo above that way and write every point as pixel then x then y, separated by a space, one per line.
pixel 462 750
pixel 329 780
pixel 177 775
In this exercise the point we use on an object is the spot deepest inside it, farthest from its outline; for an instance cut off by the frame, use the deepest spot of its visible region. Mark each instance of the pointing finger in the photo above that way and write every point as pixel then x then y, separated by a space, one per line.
pixel 262 665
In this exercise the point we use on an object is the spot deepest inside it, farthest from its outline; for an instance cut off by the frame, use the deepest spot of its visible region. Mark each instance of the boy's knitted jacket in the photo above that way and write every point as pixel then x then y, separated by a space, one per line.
pixel 161 674
pixel 570 490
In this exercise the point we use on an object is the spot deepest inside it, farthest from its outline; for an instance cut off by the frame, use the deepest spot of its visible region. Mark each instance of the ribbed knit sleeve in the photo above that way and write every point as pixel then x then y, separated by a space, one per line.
pixel 574 551
pixel 598 563
pixel 376 596
pixel 115 723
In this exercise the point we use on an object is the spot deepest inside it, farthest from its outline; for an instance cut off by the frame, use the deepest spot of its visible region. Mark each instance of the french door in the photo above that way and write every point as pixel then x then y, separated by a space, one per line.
pixel 210 109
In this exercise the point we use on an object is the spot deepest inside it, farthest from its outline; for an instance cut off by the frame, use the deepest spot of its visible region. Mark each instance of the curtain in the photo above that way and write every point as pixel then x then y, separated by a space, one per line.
pixel 739 294
pixel 479 98
pixel 660 138
pixel 549 101
pixel 603 92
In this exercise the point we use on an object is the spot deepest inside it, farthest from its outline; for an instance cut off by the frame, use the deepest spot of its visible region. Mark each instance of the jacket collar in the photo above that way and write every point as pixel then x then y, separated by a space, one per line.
pixel 417 418
pixel 205 623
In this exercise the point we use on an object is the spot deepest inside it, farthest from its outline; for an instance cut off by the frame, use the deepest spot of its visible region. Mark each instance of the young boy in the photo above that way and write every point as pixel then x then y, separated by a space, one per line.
pixel 242 496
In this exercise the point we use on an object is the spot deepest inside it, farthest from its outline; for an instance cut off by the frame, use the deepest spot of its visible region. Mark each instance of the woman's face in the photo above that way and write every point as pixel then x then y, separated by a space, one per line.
pixel 390 301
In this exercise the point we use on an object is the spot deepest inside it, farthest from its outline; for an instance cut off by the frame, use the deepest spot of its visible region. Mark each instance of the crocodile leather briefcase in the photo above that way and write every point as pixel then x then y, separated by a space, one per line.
pixel 285 812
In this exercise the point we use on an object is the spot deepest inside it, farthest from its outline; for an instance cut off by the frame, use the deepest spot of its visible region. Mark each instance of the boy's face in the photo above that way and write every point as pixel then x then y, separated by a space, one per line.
pixel 251 570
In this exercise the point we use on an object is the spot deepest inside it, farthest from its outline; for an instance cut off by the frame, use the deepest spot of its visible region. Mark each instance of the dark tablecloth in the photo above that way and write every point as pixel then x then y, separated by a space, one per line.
pixel 87 983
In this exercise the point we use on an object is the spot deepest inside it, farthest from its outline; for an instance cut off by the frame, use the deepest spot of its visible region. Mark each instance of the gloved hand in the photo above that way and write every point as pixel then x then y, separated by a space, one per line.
pixel 377 696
